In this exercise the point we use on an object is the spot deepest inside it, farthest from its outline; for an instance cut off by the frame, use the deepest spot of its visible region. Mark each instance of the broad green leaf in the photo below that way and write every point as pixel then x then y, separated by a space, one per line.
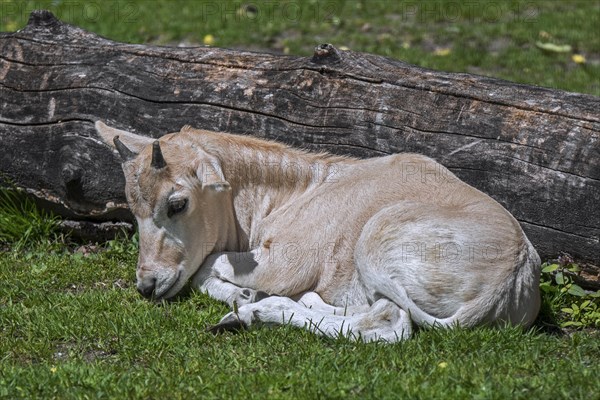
pixel 559 278
pixel 575 307
pixel 576 290
pixel 550 268
pixel 567 310
pixel 585 304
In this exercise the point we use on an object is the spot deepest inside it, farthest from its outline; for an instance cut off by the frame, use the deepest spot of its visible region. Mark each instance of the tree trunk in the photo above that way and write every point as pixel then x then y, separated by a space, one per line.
pixel 534 150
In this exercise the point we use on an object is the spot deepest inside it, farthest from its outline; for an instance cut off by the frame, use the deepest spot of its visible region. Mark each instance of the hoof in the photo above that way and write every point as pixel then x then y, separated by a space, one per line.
pixel 230 323
pixel 260 295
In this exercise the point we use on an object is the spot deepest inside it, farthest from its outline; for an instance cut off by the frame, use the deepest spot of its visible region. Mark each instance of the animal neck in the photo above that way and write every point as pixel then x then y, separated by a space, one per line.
pixel 265 176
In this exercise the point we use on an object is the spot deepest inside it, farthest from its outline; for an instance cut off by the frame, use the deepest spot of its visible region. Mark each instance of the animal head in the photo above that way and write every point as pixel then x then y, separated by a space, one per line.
pixel 181 201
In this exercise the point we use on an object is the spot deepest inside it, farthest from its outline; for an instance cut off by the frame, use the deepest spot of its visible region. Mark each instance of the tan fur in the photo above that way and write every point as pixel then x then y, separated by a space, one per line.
pixel 344 228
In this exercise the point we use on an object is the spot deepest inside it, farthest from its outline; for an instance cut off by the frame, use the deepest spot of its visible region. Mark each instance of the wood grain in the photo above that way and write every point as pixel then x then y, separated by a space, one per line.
pixel 534 150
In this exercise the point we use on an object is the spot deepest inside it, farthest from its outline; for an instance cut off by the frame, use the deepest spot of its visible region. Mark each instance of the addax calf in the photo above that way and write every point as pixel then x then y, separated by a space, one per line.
pixel 337 245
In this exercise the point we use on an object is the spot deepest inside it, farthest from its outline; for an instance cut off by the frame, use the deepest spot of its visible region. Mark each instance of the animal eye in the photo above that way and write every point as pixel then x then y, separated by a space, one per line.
pixel 176 206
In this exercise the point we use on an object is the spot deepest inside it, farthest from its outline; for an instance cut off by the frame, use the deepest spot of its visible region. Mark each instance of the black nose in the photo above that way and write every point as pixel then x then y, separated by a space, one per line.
pixel 146 289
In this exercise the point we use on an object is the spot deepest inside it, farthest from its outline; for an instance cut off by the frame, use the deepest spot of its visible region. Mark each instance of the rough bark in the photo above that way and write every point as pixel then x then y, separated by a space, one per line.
pixel 535 150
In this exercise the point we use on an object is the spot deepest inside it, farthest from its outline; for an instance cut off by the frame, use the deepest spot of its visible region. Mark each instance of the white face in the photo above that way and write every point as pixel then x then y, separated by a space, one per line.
pixel 182 212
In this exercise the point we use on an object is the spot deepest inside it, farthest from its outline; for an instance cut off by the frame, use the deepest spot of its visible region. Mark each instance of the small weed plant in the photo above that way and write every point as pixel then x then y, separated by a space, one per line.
pixel 567 303
pixel 123 245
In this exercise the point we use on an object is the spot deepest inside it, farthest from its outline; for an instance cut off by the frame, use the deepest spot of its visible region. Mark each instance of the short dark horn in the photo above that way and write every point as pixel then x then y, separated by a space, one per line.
pixel 158 161
pixel 124 152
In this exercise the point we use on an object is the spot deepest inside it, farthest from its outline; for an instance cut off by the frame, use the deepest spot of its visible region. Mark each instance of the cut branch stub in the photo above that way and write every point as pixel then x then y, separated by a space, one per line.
pixel 42 18
pixel 326 54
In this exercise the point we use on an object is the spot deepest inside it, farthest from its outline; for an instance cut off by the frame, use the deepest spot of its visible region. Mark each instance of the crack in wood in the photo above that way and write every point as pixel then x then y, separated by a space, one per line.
pixel 553 169
pixel 47 123
pixel 54 64
pixel 350 145
pixel 594 239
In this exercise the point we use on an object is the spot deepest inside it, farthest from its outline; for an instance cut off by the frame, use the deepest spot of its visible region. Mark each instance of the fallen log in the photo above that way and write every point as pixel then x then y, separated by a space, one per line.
pixel 534 150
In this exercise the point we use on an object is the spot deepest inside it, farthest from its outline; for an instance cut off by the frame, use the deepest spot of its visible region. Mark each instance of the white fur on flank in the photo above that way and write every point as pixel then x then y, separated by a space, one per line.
pixel 339 246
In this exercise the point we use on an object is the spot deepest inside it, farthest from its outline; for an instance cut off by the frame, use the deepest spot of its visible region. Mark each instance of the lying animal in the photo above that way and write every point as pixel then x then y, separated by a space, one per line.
pixel 337 245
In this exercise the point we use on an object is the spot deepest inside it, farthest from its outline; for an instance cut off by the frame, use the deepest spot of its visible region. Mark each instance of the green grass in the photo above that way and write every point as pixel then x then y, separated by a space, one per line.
pixel 73 326
pixel 20 221
pixel 488 37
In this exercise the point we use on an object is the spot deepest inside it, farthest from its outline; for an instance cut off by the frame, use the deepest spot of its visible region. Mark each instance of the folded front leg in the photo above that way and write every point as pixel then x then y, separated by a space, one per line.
pixel 228 292
pixel 209 281
pixel 383 321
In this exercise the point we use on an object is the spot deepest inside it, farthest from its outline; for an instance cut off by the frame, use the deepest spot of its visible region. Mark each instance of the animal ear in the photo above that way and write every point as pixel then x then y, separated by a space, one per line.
pixel 127 144
pixel 210 174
